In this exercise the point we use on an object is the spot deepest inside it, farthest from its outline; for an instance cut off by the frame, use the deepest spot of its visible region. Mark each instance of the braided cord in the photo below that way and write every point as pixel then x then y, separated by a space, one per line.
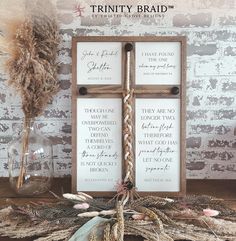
pixel 128 135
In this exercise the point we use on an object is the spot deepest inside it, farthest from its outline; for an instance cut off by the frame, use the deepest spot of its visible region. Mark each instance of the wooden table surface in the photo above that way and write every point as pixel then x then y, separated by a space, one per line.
pixel 225 189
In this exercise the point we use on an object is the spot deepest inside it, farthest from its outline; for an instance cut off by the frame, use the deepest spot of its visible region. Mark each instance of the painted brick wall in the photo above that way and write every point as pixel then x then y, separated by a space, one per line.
pixel 210 26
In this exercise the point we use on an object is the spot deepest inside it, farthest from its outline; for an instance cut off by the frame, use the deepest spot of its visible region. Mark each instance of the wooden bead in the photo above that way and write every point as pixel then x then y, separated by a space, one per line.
pixel 83 91
pixel 128 47
pixel 175 90
pixel 129 185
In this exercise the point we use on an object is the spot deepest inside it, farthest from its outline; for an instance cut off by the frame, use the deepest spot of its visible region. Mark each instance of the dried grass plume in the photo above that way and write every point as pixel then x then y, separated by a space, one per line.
pixel 29 41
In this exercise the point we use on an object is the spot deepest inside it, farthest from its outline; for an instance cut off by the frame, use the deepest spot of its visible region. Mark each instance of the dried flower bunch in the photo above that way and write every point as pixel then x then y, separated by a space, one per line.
pixel 153 218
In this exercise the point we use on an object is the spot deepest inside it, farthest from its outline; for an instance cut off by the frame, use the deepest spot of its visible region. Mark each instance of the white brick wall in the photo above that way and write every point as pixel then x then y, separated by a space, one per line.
pixel 211 81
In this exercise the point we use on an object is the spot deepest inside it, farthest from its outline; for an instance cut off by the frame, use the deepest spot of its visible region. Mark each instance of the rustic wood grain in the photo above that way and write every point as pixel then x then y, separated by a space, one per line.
pixel 225 189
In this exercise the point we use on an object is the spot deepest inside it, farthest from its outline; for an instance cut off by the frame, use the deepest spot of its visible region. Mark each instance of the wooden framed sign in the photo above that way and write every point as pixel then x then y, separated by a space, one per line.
pixel 128 114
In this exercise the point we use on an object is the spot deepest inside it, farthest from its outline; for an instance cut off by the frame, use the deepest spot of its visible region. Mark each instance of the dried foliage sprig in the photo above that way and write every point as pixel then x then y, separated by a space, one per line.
pixel 30 41
pixel 160 222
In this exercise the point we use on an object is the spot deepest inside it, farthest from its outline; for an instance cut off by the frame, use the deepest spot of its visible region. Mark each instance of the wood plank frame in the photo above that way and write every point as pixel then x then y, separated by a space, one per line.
pixel 103 91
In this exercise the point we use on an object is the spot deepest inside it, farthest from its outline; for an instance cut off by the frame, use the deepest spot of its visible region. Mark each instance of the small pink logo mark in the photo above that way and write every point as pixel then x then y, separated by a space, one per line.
pixel 79 10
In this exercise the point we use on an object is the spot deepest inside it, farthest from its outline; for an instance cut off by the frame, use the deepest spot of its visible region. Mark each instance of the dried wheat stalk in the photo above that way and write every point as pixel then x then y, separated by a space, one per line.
pixel 107 232
pixel 120 222
pixel 59 235
pixel 93 236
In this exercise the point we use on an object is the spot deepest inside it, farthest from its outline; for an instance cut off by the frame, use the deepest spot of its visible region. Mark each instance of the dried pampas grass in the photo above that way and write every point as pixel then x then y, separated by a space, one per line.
pixel 31 45
pixel 29 40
